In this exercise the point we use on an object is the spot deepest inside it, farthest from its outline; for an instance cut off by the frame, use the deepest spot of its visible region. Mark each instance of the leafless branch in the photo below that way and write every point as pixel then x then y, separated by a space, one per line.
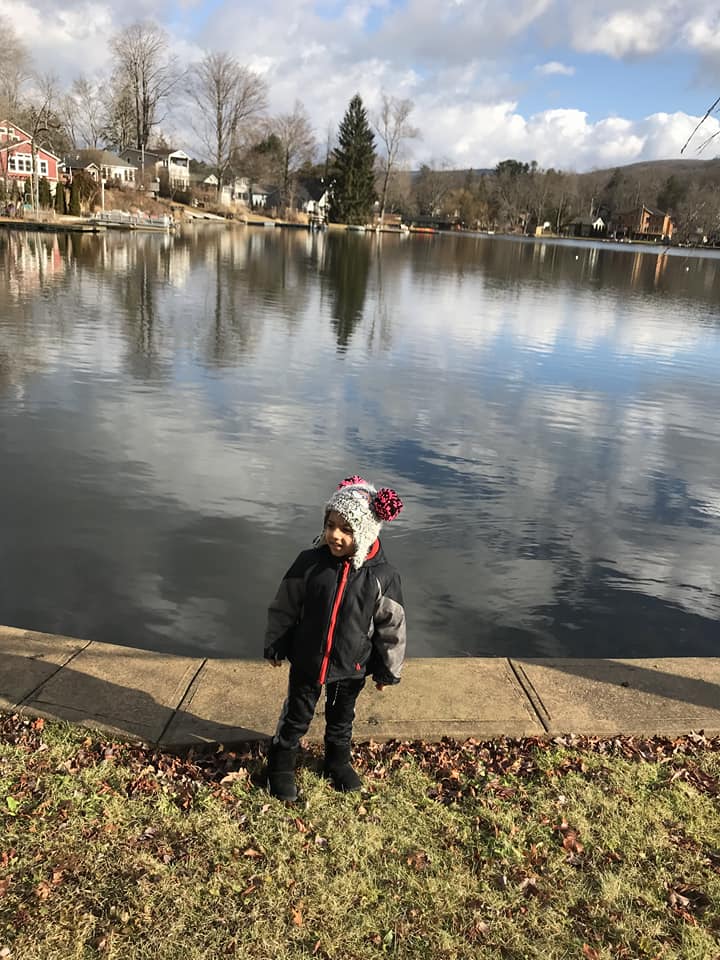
pixel 709 111
pixel 227 96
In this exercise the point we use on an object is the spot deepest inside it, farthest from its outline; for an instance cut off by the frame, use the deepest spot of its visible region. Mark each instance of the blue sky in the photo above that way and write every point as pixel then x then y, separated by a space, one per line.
pixel 570 84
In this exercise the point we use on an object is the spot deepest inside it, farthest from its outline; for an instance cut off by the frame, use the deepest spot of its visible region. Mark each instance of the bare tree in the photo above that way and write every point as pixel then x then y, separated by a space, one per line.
pixel 296 146
pixel 15 69
pixel 118 105
pixel 44 126
pixel 432 184
pixel 227 96
pixel 393 129
pixel 83 113
pixel 141 56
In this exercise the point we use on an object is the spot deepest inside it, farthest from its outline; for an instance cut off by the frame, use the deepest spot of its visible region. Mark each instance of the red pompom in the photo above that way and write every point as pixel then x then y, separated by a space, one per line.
pixel 350 481
pixel 387 504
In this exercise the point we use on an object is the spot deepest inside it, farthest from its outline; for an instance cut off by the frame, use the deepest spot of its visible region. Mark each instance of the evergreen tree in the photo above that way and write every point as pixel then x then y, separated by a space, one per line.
pixel 60 199
pixel 44 196
pixel 75 198
pixel 354 188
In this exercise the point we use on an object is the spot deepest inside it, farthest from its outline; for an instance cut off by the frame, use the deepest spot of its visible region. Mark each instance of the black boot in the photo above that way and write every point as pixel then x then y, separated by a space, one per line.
pixel 339 769
pixel 281 771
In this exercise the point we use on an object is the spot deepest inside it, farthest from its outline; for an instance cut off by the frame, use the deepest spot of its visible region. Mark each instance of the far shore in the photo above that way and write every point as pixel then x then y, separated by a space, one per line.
pixel 92 224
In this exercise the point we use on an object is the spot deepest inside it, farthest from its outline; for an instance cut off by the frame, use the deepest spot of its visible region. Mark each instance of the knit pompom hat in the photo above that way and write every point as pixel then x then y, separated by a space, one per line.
pixel 365 509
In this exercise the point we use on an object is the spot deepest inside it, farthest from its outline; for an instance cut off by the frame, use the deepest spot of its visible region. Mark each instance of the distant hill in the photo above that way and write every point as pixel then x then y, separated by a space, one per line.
pixel 666 168
pixel 642 168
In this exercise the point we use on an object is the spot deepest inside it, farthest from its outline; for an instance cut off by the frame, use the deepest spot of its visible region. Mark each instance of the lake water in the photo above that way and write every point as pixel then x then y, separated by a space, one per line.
pixel 174 411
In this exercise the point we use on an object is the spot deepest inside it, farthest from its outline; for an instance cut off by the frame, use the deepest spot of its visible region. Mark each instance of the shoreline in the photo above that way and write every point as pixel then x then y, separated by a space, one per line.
pixel 175 700
pixel 90 226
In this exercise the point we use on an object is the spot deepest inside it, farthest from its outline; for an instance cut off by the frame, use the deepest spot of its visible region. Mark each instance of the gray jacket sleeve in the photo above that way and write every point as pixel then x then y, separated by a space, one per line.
pixel 389 633
pixel 284 613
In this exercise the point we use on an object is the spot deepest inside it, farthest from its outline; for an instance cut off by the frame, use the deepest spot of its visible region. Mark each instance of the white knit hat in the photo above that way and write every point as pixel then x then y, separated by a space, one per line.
pixel 365 509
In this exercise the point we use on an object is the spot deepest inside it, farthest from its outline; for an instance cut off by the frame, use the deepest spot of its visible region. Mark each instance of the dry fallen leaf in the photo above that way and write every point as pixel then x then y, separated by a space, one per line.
pixel 42 890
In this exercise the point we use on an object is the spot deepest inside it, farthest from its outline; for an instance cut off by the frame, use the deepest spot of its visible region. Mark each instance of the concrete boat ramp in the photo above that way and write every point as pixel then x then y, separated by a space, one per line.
pixel 178 701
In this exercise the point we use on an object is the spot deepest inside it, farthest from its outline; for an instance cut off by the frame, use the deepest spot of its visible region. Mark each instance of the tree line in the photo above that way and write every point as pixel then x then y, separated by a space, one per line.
pixel 366 159
pixel 226 104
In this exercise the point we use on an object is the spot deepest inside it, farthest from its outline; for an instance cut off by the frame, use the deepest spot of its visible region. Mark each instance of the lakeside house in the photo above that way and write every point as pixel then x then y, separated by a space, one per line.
pixel 72 164
pixel 587 227
pixel 234 189
pixel 100 164
pixel 313 196
pixel 16 158
pixel 643 223
pixel 172 165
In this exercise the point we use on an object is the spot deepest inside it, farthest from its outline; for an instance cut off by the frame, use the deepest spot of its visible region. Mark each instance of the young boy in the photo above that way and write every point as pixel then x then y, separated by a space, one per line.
pixel 337 617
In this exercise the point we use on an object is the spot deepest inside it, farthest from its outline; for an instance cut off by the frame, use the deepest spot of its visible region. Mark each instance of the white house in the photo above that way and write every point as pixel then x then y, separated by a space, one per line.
pixel 315 196
pixel 173 164
pixel 110 167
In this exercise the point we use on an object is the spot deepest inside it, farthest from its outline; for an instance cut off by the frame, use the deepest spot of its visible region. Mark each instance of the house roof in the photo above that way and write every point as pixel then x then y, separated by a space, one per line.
pixel 25 138
pixel 8 123
pixel 316 187
pixel 162 154
pixel 103 157
pixel 643 206
pixel 135 156
pixel 76 162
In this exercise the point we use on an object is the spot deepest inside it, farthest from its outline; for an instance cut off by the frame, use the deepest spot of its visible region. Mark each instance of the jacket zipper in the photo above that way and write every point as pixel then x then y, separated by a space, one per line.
pixel 333 617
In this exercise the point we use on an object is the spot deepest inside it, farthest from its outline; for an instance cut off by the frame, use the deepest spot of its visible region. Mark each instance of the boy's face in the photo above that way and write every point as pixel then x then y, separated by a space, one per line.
pixel 338 535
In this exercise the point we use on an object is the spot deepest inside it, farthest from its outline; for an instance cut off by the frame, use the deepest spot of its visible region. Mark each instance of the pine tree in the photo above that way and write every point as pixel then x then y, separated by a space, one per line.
pixel 354 166
pixel 44 196
pixel 60 198
pixel 75 198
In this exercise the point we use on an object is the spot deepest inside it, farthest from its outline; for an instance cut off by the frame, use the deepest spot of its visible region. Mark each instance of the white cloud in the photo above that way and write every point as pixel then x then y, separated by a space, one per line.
pixel 454 65
pixel 554 67
pixel 632 28
pixel 703 33
pixel 627 32
pixel 434 34
pixel 483 134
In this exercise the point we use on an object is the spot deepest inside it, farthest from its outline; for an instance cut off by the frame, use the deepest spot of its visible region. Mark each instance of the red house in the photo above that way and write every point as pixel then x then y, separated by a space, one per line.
pixel 16 157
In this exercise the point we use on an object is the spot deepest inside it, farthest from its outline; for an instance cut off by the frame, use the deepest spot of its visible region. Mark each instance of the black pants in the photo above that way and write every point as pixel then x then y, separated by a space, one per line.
pixel 299 709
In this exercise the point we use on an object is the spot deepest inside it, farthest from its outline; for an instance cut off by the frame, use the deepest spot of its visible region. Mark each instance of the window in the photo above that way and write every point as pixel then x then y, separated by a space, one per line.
pixel 11 164
pixel 43 168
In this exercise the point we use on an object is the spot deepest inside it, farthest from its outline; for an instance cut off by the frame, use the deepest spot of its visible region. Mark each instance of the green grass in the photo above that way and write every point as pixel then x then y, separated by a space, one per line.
pixel 511 849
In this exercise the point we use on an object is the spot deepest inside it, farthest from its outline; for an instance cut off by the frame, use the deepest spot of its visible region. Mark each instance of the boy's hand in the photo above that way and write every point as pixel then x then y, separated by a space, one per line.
pixel 276 663
pixel 380 686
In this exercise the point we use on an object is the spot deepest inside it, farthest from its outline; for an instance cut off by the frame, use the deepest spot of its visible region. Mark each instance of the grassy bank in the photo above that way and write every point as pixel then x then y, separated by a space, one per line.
pixel 509 849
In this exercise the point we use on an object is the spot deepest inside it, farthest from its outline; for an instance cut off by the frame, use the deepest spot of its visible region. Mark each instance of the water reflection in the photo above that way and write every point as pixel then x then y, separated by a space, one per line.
pixel 345 271
pixel 175 410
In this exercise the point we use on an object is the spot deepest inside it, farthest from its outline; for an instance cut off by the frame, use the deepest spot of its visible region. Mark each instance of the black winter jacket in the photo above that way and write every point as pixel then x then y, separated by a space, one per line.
pixel 333 622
